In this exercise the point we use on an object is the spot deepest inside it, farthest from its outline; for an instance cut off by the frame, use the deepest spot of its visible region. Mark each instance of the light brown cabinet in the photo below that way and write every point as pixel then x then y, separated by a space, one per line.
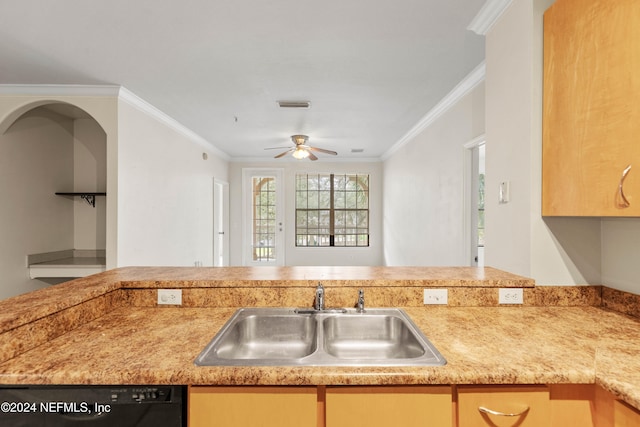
pixel 556 405
pixel 252 406
pixel 591 109
pixel 357 406
pixel 407 406
pixel 481 406
pixel 612 412
pixel 625 415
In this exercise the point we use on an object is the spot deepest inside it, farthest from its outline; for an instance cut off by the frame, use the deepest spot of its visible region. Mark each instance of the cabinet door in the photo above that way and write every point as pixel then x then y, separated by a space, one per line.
pixel 574 404
pixel 625 415
pixel 252 406
pixel 591 108
pixel 503 406
pixel 382 406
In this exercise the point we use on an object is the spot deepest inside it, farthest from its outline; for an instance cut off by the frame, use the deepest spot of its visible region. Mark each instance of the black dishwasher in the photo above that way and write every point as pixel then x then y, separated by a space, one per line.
pixel 93 406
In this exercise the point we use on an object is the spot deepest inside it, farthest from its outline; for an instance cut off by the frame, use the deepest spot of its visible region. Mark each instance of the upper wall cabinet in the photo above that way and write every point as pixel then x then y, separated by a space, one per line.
pixel 591 108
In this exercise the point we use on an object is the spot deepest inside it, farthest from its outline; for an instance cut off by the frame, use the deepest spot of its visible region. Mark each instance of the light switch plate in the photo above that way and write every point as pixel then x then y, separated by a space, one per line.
pixel 510 296
pixel 504 193
pixel 170 296
pixel 436 296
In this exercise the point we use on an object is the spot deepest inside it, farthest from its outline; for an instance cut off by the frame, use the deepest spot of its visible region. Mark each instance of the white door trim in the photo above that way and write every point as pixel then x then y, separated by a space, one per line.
pixel 470 194
pixel 220 225
pixel 247 203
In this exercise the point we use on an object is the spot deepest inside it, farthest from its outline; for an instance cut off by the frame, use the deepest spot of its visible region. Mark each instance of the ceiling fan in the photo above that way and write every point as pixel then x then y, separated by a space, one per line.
pixel 301 150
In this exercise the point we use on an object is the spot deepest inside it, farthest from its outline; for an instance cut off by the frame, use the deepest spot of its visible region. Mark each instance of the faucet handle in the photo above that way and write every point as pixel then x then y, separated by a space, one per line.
pixel 319 301
pixel 360 301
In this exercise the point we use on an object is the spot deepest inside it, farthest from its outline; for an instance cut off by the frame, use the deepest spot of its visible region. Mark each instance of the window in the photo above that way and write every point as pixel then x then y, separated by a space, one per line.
pixel 332 210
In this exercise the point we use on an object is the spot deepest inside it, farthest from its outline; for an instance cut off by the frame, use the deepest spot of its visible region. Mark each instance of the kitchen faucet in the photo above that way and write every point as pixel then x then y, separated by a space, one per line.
pixel 318 304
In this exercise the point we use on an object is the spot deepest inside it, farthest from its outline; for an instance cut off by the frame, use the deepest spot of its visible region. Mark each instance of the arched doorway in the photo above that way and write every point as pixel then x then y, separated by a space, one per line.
pixel 49 147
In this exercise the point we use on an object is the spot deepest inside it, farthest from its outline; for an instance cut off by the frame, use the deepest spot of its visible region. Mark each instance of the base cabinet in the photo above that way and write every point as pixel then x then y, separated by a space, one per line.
pixel 556 405
pixel 252 406
pixel 409 406
pixel 358 406
pixel 481 406
pixel 624 415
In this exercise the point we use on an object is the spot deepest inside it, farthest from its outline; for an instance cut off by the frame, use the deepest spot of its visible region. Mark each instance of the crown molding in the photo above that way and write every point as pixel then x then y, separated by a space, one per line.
pixel 59 90
pixel 142 105
pixel 120 92
pixel 473 79
pixel 488 15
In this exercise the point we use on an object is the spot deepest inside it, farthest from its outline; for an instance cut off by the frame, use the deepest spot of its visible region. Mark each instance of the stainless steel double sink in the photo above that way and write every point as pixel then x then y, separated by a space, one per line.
pixel 288 337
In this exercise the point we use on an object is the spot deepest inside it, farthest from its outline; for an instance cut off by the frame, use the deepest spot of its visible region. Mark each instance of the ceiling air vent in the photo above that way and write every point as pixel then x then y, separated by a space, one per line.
pixel 294 104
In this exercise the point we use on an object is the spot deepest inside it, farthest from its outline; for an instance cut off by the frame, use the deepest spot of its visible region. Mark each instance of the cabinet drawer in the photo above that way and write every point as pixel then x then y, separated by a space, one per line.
pixel 503 406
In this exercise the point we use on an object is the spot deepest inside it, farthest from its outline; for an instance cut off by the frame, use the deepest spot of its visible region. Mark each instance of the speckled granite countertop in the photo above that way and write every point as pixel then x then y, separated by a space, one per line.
pixel 125 342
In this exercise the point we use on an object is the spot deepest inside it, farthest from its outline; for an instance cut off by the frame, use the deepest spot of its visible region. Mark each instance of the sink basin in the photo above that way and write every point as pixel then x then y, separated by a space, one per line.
pixel 269 337
pixel 286 337
pixel 370 337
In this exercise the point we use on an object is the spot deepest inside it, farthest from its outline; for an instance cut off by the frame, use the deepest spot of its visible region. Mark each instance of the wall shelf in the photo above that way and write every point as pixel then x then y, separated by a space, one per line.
pixel 71 263
pixel 89 197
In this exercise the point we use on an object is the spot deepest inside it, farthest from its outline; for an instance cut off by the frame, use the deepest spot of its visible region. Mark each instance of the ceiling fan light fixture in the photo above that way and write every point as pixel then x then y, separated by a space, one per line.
pixel 300 153
pixel 299 139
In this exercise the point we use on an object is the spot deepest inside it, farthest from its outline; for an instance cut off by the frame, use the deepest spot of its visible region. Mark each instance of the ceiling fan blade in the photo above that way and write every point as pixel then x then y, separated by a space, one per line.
pixel 282 154
pixel 322 150
pixel 275 148
pixel 312 156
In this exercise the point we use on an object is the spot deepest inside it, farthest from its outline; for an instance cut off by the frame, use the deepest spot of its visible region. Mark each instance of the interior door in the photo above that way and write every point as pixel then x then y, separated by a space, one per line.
pixel 263 217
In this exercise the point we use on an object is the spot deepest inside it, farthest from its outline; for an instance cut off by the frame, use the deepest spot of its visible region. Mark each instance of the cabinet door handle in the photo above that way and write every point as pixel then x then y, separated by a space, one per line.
pixel 624 202
pixel 485 410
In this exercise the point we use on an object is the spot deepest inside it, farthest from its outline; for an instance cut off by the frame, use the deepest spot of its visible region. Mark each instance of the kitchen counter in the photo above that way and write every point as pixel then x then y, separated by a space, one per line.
pixel 113 335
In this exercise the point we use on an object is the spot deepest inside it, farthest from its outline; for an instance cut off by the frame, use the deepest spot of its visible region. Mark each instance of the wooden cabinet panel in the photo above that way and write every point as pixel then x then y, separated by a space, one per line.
pixel 252 406
pixel 532 402
pixel 573 405
pixel 591 108
pixel 625 415
pixel 382 406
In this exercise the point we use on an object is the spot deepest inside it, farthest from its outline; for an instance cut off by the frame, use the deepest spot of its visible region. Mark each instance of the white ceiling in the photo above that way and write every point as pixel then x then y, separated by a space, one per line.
pixel 371 69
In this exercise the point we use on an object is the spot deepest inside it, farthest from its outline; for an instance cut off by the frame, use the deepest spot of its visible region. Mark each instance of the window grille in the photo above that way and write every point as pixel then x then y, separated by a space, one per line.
pixel 332 210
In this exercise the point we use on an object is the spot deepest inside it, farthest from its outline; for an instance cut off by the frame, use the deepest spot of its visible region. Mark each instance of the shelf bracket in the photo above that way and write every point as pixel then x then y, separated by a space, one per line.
pixel 89 198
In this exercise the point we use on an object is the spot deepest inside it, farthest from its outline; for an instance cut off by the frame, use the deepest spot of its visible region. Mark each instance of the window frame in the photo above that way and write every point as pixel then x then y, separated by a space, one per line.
pixel 360 239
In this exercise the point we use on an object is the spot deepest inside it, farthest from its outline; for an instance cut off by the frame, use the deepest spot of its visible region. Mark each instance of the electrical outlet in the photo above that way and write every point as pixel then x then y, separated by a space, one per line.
pixel 510 296
pixel 435 296
pixel 170 296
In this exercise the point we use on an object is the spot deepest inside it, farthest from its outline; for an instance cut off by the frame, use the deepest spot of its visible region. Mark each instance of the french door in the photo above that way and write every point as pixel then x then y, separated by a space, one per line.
pixel 263 203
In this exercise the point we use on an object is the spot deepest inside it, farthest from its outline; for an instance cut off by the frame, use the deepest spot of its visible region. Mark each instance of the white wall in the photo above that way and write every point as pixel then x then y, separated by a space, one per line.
pixel 620 254
pixel 165 193
pixel 89 174
pixel 36 161
pixel 423 207
pixel 371 255
pixel 554 251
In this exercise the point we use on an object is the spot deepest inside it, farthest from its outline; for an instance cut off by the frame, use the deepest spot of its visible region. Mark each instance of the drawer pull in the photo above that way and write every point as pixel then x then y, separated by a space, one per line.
pixel 624 202
pixel 502 414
